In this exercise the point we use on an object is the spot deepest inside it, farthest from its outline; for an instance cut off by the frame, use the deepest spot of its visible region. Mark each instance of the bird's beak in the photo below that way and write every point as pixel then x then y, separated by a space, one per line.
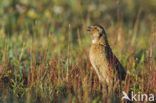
pixel 89 28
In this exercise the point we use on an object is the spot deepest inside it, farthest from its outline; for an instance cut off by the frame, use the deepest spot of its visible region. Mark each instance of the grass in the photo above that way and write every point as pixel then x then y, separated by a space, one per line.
pixel 44 49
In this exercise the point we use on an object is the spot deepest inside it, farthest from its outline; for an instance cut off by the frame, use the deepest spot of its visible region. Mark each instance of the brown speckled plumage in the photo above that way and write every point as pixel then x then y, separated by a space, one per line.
pixel 104 62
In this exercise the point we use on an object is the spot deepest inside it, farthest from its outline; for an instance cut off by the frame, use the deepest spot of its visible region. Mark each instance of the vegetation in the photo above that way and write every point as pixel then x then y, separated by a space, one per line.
pixel 44 49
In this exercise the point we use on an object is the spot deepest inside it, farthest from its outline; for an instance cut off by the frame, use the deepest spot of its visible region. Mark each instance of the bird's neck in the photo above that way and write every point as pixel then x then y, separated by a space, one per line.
pixel 103 40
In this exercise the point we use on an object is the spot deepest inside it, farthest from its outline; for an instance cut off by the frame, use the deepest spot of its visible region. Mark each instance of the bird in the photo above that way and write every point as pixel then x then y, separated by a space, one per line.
pixel 103 61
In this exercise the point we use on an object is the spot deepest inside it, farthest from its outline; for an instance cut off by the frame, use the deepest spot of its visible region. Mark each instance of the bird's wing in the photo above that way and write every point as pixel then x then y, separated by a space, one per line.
pixel 115 63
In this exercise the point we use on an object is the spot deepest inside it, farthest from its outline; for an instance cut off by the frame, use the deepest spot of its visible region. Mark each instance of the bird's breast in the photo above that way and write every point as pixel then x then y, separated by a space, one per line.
pixel 97 55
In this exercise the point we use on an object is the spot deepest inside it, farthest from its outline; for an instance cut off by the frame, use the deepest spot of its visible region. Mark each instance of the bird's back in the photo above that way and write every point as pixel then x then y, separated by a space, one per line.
pixel 115 63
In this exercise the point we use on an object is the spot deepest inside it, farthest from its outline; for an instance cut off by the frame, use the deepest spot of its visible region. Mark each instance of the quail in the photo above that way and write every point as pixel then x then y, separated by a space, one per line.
pixel 104 62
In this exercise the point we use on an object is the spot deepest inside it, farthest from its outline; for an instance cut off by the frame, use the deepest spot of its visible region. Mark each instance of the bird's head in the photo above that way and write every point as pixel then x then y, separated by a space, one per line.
pixel 96 32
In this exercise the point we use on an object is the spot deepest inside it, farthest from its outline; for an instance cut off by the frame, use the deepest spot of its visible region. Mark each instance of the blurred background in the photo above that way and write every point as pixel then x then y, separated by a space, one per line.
pixel 52 15
pixel 44 48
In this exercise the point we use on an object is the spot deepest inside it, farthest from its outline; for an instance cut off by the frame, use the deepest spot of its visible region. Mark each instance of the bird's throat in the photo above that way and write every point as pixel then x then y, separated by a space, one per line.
pixel 94 41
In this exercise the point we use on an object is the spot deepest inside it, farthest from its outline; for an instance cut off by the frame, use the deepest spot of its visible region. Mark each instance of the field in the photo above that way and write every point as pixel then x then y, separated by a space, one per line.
pixel 44 49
